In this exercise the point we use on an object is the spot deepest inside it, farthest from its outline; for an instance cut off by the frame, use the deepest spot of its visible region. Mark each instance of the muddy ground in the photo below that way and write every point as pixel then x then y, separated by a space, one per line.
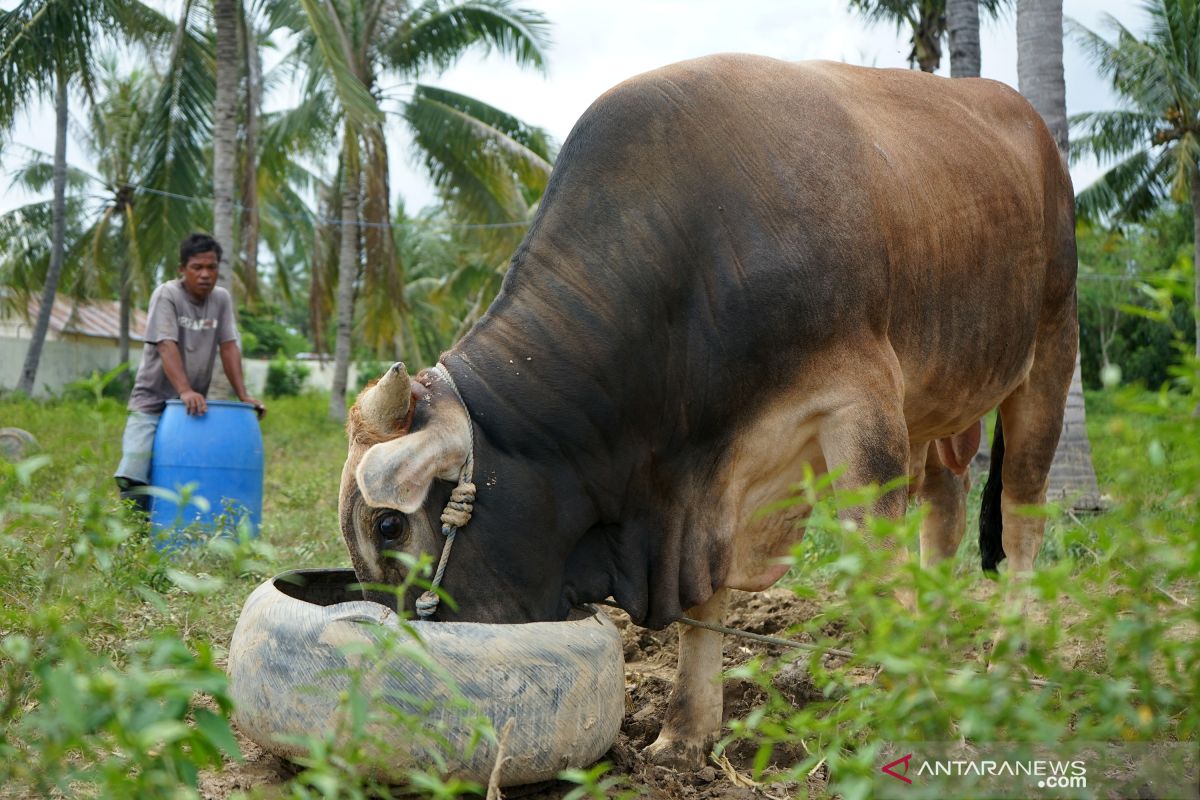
pixel 649 670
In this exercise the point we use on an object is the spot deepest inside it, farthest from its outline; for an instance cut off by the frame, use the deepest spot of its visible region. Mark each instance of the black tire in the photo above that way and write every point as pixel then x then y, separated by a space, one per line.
pixel 562 683
pixel 15 443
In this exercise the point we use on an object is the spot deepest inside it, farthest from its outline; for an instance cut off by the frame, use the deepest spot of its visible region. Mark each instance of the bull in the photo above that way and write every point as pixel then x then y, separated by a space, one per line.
pixel 740 266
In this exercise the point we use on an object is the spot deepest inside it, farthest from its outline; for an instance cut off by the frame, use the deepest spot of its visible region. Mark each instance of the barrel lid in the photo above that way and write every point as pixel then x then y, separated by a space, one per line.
pixel 233 403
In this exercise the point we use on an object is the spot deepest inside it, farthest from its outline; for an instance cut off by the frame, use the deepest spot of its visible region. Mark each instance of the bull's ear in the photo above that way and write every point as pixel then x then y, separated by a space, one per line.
pixel 398 473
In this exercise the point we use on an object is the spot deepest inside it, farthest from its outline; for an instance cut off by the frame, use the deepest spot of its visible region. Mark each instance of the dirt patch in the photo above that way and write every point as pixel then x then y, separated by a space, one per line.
pixel 649 674
pixel 257 769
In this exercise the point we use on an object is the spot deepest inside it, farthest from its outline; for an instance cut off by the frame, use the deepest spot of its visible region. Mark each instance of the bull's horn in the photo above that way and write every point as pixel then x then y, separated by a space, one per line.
pixel 384 406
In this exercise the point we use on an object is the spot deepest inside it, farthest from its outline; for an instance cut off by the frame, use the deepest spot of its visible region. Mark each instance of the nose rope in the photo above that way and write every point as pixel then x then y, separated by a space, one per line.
pixel 458 510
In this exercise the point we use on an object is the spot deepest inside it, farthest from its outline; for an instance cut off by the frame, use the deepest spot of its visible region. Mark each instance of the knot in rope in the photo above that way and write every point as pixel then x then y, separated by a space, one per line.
pixel 426 604
pixel 458 510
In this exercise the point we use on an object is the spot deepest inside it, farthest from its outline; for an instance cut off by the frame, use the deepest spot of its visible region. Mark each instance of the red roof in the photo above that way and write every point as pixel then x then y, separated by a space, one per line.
pixel 98 318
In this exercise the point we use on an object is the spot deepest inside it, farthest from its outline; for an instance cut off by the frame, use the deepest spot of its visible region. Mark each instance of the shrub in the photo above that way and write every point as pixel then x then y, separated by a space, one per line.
pixel 116 382
pixel 285 378
pixel 77 720
pixel 264 335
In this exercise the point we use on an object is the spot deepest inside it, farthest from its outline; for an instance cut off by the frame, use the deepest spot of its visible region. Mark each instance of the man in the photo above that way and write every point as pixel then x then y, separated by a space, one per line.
pixel 190 320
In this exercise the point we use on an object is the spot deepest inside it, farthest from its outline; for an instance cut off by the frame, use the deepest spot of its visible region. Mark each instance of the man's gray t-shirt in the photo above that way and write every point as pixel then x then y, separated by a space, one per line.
pixel 197 329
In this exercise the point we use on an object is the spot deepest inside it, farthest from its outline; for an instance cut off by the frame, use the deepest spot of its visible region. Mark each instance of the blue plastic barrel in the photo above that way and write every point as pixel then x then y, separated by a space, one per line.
pixel 221 452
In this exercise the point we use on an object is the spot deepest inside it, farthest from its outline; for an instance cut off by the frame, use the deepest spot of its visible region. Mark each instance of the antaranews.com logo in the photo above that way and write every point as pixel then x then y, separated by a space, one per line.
pixel 911 770
pixel 1047 773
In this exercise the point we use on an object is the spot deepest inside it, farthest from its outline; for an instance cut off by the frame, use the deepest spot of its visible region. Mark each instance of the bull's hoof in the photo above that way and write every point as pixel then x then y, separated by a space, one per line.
pixel 679 755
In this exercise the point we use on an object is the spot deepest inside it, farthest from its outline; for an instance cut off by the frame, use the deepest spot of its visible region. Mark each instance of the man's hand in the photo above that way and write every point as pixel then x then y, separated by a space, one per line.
pixel 195 402
pixel 259 408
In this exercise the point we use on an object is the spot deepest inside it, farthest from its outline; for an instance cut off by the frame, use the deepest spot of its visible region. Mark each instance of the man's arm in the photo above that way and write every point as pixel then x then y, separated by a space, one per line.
pixel 172 364
pixel 231 360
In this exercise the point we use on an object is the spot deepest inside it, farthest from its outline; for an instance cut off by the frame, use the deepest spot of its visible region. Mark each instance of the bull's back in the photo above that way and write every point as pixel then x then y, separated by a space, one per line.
pixel 972 205
pixel 765 211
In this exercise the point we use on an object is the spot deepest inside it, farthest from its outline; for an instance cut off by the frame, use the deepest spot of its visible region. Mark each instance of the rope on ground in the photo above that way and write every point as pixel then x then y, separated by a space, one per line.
pixel 812 648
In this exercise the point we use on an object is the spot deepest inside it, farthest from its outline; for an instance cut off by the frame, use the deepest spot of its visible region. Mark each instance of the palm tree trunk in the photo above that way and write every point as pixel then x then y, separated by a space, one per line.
pixel 347 274
pixel 1040 64
pixel 126 298
pixel 33 356
pixel 1040 78
pixel 225 14
pixel 250 224
pixel 962 23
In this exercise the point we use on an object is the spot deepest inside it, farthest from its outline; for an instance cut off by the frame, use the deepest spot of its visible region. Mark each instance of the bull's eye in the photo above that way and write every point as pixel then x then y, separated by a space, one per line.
pixel 390 528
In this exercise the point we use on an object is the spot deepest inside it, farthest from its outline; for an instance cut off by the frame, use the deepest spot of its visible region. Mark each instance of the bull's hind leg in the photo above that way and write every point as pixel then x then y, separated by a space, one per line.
pixel 1032 419
pixel 693 718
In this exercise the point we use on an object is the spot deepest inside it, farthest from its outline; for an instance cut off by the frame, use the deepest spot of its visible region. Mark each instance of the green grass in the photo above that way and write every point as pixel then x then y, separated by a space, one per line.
pixel 302 454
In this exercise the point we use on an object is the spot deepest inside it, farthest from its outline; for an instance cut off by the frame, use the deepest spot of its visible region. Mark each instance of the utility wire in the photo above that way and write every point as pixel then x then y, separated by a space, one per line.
pixel 326 221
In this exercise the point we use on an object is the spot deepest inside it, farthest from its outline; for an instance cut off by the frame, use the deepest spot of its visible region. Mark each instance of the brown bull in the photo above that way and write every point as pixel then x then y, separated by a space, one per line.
pixel 741 266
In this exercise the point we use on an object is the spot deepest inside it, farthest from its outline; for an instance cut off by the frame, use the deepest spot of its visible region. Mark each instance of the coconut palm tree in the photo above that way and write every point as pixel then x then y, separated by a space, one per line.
pixel 177 140
pixel 101 239
pixel 225 113
pixel 248 153
pixel 241 31
pixel 114 140
pixel 350 46
pixel 927 22
pixel 1155 136
pixel 1040 79
pixel 46 46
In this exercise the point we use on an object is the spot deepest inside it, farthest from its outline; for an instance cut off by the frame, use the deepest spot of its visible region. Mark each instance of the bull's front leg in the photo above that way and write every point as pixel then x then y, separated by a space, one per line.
pixel 693 719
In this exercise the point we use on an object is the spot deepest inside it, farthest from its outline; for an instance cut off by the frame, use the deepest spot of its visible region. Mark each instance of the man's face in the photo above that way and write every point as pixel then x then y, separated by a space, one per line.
pixel 199 274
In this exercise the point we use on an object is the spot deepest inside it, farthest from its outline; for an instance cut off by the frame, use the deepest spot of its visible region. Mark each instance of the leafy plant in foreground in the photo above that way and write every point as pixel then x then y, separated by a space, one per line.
pixel 140 722
pixel 1105 649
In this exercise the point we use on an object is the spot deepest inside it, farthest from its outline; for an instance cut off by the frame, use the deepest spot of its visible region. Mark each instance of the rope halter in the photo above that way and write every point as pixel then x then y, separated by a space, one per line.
pixel 458 510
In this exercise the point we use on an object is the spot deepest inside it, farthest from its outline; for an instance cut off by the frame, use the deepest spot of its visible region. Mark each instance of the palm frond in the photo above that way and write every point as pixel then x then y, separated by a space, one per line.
pixel 338 55
pixel 486 174
pixel 280 14
pixel 1110 134
pixel 383 274
pixel 1138 70
pixel 39 41
pixel 177 134
pixel 436 35
pixel 309 128
pixel 1130 190
pixel 899 12
pixel 37 175
pixel 25 249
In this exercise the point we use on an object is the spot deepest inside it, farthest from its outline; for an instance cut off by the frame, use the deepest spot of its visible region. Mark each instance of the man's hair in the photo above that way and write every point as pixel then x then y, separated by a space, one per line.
pixel 195 244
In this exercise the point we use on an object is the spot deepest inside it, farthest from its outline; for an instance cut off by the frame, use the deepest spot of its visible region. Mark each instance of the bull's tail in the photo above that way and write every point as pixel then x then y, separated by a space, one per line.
pixel 991 522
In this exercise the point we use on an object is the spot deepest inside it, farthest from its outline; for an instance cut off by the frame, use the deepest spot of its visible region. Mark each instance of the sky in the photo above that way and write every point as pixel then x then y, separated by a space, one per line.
pixel 599 43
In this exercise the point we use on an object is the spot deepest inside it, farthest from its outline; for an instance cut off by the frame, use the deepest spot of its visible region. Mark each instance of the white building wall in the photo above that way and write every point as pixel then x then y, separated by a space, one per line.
pixel 66 361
